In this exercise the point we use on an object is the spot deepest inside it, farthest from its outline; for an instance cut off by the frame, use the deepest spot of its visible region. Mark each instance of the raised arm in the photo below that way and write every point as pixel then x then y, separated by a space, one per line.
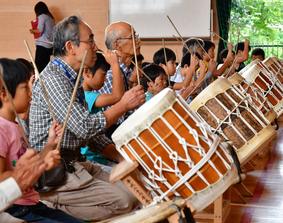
pixel 118 89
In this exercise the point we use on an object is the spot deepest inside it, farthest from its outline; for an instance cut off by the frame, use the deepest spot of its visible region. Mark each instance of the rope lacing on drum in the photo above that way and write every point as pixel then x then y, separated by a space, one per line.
pixel 227 120
pixel 153 177
pixel 257 93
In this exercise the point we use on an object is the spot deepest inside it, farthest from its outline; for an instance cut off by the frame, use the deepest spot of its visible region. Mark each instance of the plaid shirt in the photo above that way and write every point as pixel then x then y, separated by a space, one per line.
pixel 82 128
pixel 108 85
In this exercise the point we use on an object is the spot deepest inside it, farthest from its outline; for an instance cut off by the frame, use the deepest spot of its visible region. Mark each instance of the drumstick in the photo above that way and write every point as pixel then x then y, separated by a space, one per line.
pixel 214 33
pixel 236 29
pixel 40 80
pixel 71 102
pixel 12 103
pixel 143 72
pixel 43 41
pixel 166 62
pixel 195 63
pixel 185 45
pixel 101 52
pixel 178 61
pixel 234 62
pixel 195 88
pixel 136 60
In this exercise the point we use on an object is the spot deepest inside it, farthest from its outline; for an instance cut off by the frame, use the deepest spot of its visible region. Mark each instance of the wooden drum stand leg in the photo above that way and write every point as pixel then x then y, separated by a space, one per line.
pixel 218 211
pixel 124 171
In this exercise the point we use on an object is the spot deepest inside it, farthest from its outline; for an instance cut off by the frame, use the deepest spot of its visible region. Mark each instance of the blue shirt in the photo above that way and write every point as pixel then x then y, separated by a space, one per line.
pixel 90 98
pixel 148 96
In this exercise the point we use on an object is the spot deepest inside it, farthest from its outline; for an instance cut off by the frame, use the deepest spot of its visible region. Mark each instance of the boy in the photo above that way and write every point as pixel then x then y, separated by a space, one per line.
pixel 93 80
pixel 209 48
pixel 258 53
pixel 188 68
pixel 159 59
pixel 224 57
pixel 158 76
pixel 13 145
pixel 133 78
pixel 242 53
pixel 194 45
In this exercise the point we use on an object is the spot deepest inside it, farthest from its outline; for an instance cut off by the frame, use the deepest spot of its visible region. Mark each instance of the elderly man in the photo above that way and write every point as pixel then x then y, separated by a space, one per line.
pixel 118 36
pixel 87 193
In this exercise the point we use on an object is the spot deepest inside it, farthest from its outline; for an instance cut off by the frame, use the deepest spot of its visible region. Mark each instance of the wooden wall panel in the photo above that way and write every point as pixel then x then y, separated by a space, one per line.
pixel 15 17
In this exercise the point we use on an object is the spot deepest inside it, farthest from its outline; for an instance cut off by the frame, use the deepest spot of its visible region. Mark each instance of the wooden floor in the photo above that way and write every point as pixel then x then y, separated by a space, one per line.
pixel 266 184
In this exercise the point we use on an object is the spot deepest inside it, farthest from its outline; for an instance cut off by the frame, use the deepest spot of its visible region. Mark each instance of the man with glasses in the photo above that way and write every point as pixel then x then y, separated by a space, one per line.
pixel 87 193
pixel 118 36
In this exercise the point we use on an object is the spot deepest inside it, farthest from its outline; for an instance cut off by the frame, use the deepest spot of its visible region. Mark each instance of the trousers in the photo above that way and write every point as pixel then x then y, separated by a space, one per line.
pixel 89 195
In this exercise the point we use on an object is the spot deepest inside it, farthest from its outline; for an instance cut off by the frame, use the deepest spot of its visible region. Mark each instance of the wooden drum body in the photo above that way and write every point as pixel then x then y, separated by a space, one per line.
pixel 231 115
pixel 177 152
pixel 254 95
pixel 260 77
pixel 275 67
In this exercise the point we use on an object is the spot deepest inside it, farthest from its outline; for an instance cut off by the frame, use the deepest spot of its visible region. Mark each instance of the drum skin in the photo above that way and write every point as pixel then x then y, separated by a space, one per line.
pixel 231 115
pixel 162 139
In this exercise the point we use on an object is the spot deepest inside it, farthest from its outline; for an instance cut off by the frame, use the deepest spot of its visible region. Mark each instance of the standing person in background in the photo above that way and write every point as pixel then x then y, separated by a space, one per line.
pixel 44 28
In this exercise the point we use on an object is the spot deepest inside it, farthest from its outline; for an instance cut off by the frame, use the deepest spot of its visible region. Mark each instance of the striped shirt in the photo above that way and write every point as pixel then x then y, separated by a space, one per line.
pixel 83 129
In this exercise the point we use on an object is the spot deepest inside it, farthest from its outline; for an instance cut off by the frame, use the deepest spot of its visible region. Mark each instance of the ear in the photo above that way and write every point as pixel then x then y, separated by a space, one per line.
pixel 87 72
pixel 117 45
pixel 3 96
pixel 70 47
pixel 162 65
pixel 224 59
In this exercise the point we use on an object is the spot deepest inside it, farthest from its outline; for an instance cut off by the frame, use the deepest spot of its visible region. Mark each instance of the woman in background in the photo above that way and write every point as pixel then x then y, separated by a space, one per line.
pixel 44 28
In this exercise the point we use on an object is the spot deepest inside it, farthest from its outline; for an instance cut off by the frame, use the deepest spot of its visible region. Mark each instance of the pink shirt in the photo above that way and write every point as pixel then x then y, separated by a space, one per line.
pixel 12 147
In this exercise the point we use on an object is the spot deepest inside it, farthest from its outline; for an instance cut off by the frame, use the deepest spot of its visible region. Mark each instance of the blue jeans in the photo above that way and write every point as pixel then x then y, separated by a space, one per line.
pixel 41 213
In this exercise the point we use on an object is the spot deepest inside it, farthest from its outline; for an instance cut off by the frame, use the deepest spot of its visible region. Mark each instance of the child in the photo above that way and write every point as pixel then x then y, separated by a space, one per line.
pixel 209 47
pixel 13 145
pixel 188 68
pixel 24 116
pixel 158 76
pixel 159 59
pixel 94 80
pixel 227 56
pixel 194 45
pixel 242 53
pixel 133 78
pixel 258 53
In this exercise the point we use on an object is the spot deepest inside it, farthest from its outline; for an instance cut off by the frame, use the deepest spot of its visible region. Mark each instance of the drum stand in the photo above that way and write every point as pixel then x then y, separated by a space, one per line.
pixel 125 172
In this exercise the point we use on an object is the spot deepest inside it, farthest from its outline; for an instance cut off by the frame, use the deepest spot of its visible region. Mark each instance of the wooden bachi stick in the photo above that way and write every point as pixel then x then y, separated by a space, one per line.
pixel 136 60
pixel 40 80
pixel 43 41
pixel 71 102
pixel 143 72
pixel 166 62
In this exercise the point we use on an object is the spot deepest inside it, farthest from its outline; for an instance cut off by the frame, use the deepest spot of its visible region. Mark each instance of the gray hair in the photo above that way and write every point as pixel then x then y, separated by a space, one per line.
pixel 66 30
pixel 191 43
pixel 110 37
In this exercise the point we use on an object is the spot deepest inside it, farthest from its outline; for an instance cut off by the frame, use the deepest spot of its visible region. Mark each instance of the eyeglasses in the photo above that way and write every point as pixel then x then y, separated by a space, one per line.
pixel 137 37
pixel 92 42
